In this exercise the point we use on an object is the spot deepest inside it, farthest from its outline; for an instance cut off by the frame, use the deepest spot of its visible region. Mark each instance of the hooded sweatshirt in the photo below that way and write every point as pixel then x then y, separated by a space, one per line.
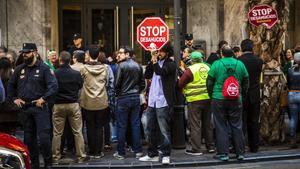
pixel 94 94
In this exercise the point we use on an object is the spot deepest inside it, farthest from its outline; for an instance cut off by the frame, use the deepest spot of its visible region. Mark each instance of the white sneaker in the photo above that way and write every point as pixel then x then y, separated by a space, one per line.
pixel 138 155
pixel 118 157
pixel 147 158
pixel 165 160
pixel 98 156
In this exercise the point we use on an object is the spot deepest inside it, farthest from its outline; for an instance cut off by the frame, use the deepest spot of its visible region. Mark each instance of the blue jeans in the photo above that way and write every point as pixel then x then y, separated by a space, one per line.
pixel 158 130
pixel 294 108
pixel 128 107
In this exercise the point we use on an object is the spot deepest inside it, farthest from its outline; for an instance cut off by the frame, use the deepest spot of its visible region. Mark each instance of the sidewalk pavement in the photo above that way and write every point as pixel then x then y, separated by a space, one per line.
pixel 180 159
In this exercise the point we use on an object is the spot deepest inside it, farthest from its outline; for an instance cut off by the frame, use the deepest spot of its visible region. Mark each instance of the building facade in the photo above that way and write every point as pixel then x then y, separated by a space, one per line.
pixel 111 23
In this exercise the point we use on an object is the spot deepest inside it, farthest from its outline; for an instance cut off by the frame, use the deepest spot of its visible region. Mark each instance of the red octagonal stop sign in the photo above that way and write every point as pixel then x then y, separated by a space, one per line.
pixel 263 15
pixel 152 33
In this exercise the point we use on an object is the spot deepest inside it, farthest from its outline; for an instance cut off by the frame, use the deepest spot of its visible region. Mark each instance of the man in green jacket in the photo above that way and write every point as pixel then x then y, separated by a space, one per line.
pixel 227 112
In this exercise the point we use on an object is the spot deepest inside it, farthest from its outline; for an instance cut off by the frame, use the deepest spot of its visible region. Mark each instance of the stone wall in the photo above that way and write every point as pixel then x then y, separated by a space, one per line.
pixel 215 20
pixel 3 29
pixel 235 19
pixel 27 22
pixel 202 21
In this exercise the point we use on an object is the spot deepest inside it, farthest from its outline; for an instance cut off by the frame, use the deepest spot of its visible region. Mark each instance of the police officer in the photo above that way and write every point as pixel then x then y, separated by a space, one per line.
pixel 30 87
pixel 77 44
pixel 189 42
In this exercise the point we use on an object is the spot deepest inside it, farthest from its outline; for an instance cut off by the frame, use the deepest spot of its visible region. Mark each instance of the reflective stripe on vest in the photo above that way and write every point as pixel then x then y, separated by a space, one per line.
pixel 196 90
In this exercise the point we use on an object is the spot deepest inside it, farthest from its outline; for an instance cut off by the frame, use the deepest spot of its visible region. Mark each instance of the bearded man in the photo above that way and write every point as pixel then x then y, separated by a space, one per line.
pixel 30 87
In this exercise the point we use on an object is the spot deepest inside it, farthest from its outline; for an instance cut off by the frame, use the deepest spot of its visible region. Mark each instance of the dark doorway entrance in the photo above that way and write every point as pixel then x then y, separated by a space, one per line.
pixel 111 23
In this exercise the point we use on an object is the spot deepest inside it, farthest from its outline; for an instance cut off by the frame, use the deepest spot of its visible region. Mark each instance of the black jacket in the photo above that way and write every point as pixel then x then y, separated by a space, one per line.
pixel 74 48
pixel 69 83
pixel 253 65
pixel 168 78
pixel 129 79
pixel 32 83
pixel 213 57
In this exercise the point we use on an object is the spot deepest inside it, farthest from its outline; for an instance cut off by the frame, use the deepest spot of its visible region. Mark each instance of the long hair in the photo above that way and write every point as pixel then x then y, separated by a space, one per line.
pixel 102 57
pixel 5 69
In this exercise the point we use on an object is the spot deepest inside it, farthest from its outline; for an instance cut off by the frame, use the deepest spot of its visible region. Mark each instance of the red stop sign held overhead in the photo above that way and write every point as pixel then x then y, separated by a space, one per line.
pixel 263 15
pixel 152 33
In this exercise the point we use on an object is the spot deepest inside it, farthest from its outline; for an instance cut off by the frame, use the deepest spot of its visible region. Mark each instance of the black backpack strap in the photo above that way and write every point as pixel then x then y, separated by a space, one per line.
pixel 223 64
pixel 234 70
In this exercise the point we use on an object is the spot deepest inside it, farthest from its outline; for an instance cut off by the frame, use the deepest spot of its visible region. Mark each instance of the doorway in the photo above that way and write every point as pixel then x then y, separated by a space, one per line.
pixel 109 23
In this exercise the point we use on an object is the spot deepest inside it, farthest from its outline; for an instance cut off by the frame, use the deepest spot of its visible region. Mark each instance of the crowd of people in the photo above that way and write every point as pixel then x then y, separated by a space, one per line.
pixel 114 99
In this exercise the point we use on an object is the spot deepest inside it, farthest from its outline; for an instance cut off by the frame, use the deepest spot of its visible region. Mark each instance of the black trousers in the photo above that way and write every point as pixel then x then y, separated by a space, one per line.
pixel 95 121
pixel 228 117
pixel 106 128
pixel 251 122
pixel 36 123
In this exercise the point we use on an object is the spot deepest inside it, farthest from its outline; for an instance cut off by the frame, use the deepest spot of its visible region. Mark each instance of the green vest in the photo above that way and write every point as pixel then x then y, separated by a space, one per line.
pixel 196 90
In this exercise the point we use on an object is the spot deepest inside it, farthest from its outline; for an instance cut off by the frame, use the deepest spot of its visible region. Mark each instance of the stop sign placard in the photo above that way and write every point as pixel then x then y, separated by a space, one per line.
pixel 152 33
pixel 263 15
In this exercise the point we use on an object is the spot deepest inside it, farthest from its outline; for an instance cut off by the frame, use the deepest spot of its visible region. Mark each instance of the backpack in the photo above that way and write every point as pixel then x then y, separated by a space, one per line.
pixel 230 89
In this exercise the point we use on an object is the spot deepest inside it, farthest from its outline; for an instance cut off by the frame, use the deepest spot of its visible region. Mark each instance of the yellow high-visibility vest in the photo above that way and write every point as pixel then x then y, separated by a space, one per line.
pixel 196 90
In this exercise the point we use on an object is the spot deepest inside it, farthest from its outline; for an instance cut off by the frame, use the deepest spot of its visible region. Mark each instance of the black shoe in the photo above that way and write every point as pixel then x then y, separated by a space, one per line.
pixel 193 152
pixel 210 149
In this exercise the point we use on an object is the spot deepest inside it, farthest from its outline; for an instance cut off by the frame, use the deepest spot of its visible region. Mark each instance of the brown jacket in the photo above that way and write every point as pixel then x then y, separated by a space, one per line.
pixel 94 94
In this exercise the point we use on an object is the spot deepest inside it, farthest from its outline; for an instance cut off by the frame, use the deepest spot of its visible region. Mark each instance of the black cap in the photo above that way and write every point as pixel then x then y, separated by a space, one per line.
pixel 188 36
pixel 76 36
pixel 28 47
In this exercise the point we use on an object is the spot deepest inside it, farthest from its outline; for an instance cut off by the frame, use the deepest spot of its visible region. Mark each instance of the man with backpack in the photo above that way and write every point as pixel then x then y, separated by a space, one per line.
pixel 227 85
